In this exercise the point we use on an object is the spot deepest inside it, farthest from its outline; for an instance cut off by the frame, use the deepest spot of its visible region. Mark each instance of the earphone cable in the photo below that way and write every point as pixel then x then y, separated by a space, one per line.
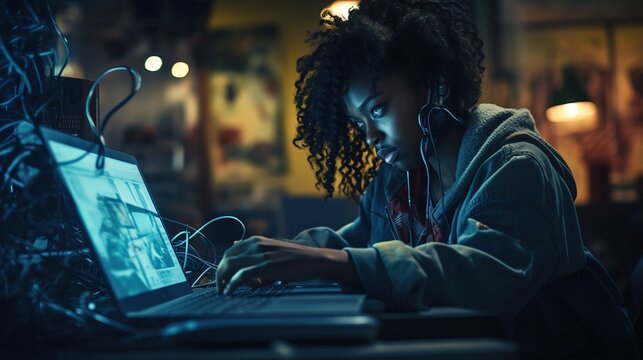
pixel 444 210
pixel 408 193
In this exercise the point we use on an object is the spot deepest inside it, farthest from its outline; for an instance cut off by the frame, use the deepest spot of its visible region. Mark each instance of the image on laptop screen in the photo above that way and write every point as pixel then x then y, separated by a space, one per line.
pixel 119 218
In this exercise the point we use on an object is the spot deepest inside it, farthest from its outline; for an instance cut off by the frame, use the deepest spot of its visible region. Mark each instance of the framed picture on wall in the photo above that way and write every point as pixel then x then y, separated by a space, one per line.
pixel 244 75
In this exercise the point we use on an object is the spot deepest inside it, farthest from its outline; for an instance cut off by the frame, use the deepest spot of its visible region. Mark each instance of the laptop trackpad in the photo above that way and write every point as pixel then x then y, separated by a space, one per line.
pixel 326 304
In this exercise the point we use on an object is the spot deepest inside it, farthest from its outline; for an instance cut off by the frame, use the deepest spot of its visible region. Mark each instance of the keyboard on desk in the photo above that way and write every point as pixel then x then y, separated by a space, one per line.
pixel 209 301
pixel 272 290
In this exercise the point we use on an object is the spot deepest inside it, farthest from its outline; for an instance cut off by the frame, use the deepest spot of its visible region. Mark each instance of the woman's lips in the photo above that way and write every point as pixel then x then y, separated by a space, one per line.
pixel 388 154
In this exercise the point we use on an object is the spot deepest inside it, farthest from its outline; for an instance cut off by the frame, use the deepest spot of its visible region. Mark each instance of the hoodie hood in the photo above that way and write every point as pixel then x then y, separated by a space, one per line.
pixel 490 127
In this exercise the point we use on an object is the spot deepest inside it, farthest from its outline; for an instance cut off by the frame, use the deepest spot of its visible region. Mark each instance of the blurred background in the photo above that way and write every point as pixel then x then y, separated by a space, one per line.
pixel 213 122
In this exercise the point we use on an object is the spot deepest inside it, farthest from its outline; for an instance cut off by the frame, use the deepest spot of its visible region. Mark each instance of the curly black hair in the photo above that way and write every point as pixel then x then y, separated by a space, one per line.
pixel 417 39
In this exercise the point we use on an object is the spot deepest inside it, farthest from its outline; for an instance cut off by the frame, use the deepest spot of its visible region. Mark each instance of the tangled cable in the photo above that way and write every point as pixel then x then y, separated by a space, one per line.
pixel 50 285
pixel 45 265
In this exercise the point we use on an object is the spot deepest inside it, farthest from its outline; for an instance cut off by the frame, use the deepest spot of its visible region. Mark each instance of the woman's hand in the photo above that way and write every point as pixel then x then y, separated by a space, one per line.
pixel 259 258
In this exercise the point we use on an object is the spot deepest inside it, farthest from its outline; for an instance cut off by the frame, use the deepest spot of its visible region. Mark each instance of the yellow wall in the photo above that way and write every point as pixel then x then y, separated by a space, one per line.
pixel 293 18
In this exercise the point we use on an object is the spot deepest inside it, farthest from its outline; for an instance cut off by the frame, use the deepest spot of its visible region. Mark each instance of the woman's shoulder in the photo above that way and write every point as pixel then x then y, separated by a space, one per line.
pixel 515 156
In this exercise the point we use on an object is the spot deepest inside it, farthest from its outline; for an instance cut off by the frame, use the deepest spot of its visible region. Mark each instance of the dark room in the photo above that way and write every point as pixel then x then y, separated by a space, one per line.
pixel 315 179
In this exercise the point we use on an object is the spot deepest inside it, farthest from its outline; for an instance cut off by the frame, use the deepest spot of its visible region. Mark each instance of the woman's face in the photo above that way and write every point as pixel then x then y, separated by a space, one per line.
pixel 386 110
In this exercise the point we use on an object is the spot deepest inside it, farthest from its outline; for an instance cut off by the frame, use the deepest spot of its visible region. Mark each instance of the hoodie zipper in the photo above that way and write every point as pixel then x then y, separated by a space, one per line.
pixel 391 223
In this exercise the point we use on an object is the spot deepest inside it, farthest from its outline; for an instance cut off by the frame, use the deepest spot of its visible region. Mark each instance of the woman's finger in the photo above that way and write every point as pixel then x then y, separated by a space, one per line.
pixel 244 276
pixel 261 274
pixel 229 265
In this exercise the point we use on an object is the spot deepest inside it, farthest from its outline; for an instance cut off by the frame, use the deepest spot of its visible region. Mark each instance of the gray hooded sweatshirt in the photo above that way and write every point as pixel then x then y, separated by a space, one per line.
pixel 512 244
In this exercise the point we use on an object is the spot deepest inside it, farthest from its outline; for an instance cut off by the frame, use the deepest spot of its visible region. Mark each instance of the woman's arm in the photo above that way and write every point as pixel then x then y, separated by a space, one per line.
pixel 257 258
pixel 509 239
pixel 314 253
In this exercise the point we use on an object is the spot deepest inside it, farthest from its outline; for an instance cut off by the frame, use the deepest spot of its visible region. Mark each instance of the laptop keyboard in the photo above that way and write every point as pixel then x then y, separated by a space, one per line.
pixel 211 302
pixel 273 290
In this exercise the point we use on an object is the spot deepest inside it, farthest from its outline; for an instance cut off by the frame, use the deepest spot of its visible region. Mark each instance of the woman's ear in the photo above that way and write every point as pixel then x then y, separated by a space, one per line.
pixel 442 91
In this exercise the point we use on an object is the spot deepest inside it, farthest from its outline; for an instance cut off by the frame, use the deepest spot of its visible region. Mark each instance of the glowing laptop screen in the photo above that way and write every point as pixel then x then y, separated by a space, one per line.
pixel 120 220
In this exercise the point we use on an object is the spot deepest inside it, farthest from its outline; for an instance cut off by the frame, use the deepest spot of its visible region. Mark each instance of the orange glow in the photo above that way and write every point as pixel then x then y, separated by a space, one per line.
pixel 341 8
pixel 573 117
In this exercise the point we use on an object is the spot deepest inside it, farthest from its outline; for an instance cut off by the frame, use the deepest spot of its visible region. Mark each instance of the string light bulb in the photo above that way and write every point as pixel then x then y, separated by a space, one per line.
pixel 180 69
pixel 153 63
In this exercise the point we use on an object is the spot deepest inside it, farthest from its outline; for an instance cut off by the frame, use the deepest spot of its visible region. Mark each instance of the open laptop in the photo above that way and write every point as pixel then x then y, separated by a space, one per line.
pixel 135 254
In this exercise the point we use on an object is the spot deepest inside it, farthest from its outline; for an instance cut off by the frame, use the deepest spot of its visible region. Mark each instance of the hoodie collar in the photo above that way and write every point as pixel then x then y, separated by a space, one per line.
pixel 488 128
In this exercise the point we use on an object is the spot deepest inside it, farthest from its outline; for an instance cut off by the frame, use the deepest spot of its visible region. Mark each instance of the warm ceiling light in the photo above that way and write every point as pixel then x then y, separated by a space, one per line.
pixel 153 63
pixel 340 8
pixel 573 117
pixel 577 111
pixel 570 109
pixel 180 69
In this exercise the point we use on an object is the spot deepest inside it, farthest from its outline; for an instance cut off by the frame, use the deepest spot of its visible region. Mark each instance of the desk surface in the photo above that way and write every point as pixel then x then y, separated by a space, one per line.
pixel 439 323
pixel 478 348
pixel 439 333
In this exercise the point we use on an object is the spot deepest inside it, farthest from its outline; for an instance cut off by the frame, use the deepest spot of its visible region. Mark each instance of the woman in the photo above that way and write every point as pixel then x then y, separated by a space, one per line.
pixel 460 204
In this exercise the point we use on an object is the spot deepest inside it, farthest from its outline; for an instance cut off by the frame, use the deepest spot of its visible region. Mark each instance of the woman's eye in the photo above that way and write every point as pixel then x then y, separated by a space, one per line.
pixel 358 123
pixel 378 111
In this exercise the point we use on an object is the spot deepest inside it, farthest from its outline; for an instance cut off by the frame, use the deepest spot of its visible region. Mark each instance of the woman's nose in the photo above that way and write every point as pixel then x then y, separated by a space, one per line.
pixel 373 134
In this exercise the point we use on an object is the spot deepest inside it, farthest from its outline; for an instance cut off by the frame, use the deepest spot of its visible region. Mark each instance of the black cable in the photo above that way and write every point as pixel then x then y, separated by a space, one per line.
pixel 42 264
pixel 444 210
pixel 62 37
pixel 98 133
